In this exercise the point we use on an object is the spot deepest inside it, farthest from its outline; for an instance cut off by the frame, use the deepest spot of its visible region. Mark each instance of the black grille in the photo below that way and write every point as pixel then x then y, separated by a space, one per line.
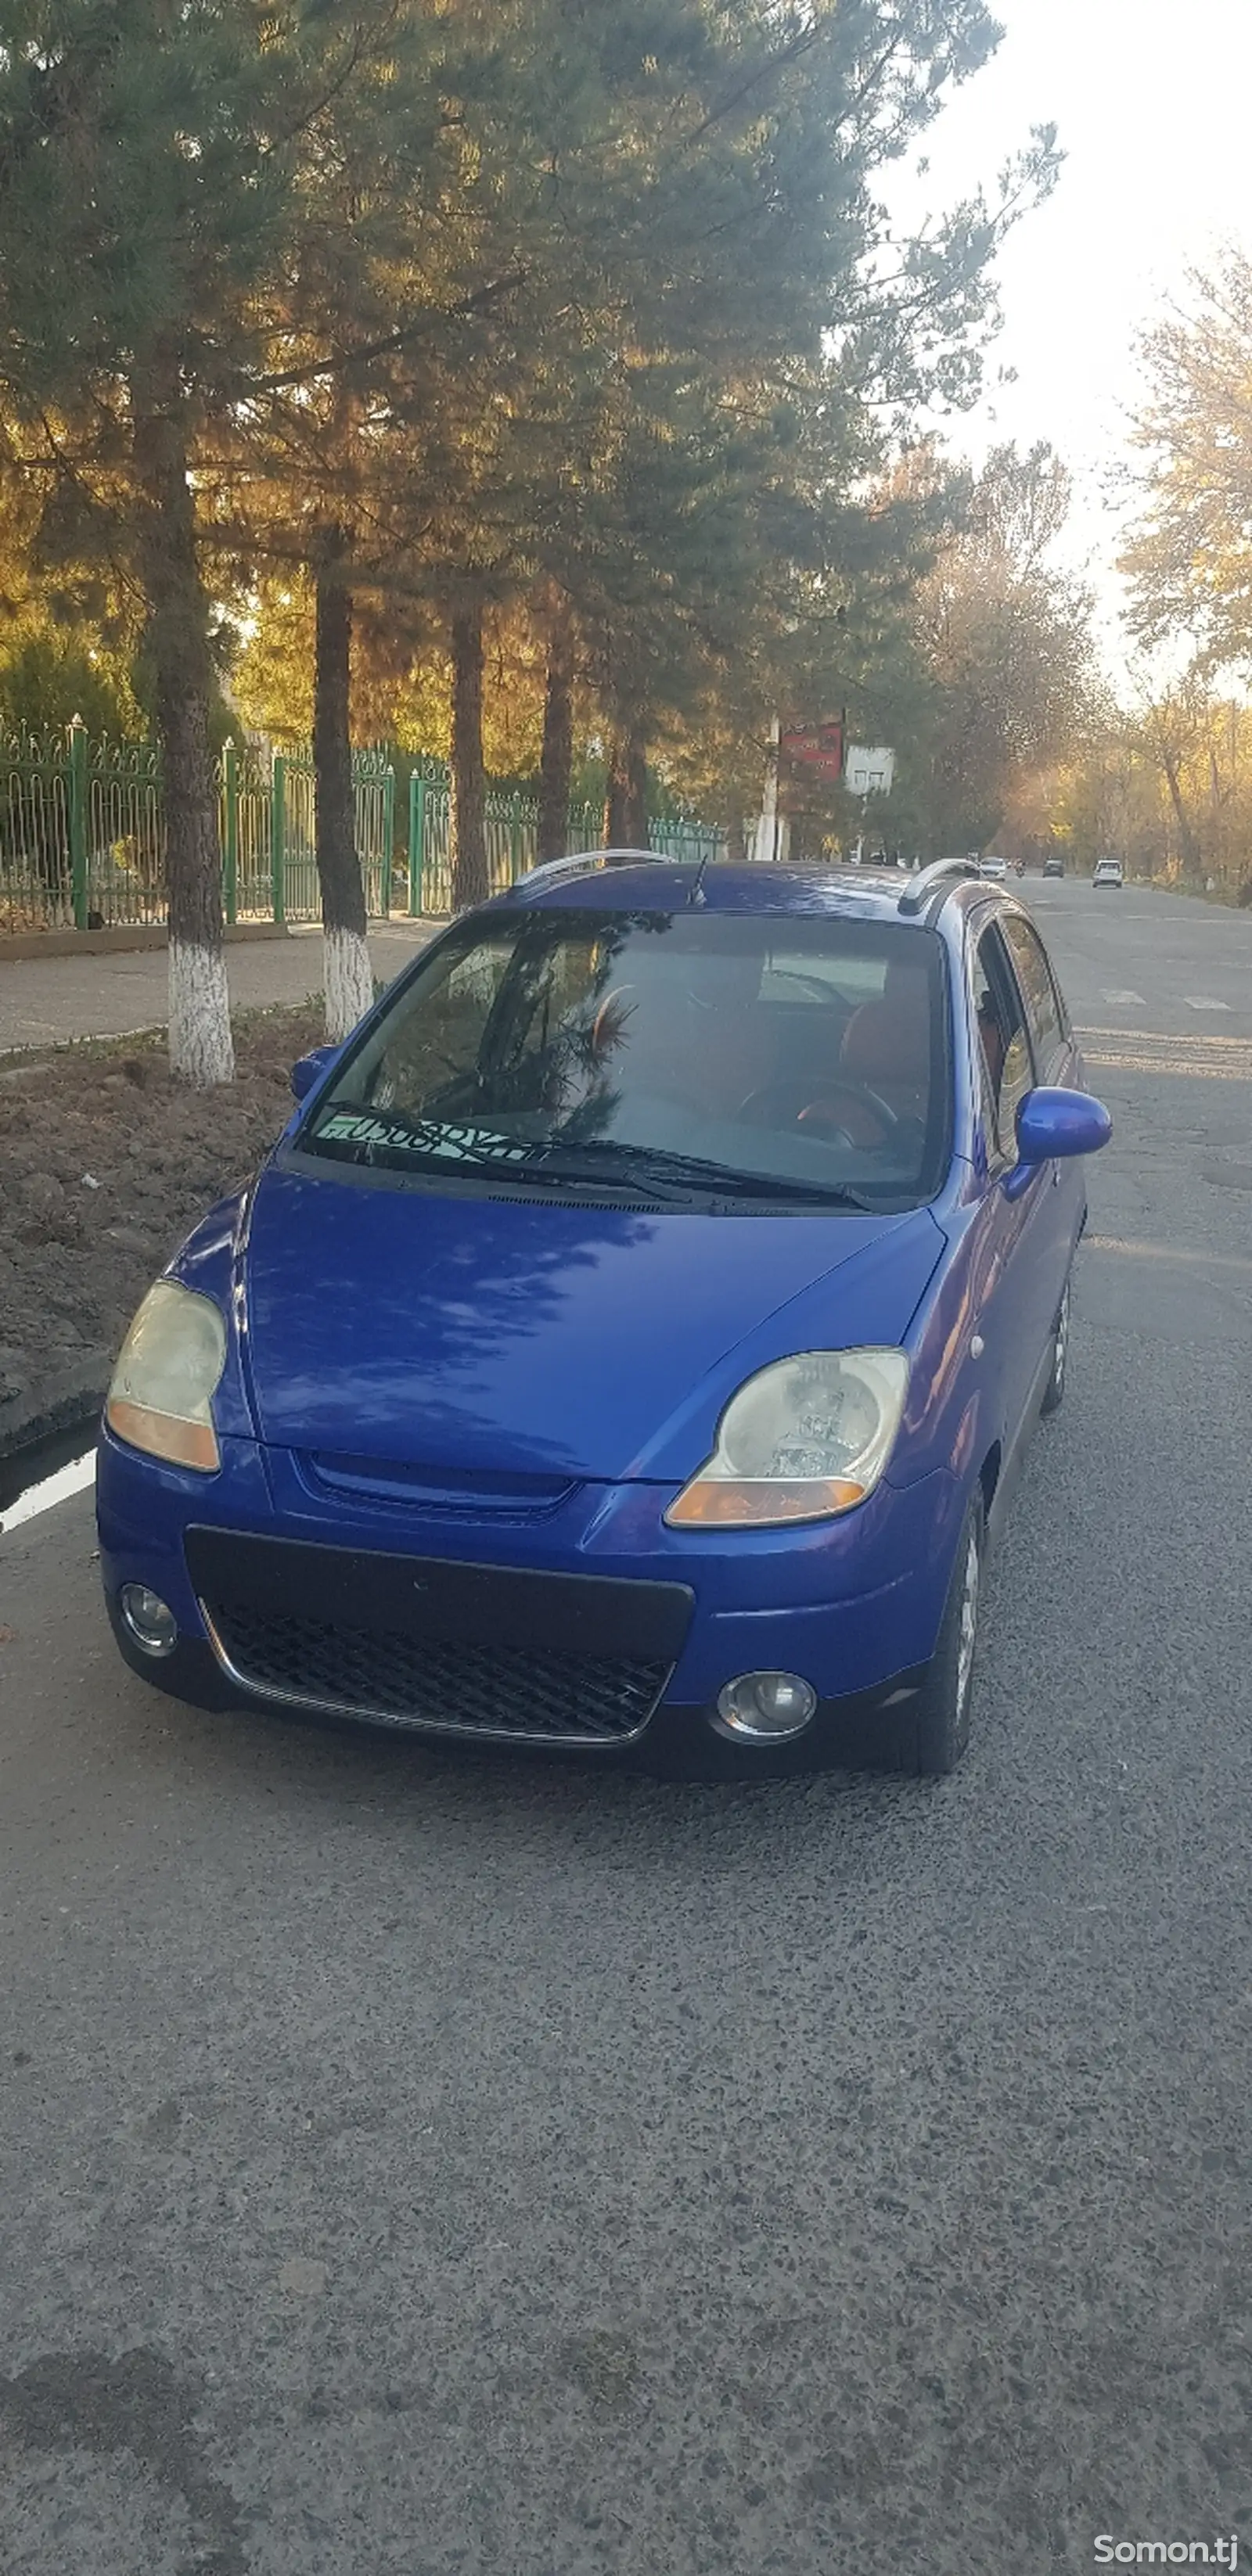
pixel 460 1689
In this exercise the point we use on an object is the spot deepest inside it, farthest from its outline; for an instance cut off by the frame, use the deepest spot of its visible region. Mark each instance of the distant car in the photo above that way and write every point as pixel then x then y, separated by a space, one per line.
pixel 1054 867
pixel 994 868
pixel 1108 872
pixel 628 1346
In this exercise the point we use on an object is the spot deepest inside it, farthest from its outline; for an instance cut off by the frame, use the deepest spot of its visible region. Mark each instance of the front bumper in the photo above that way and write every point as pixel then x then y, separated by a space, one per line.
pixel 853 1606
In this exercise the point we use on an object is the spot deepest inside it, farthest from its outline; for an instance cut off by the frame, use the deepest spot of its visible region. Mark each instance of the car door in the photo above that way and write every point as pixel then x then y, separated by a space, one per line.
pixel 1057 1062
pixel 1013 1283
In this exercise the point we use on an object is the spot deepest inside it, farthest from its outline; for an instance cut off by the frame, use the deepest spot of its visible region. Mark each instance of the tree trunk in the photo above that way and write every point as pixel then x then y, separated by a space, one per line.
pixel 468 818
pixel 558 732
pixel 617 797
pixel 637 788
pixel 626 805
pixel 347 975
pixel 736 839
pixel 200 1046
pixel 1189 847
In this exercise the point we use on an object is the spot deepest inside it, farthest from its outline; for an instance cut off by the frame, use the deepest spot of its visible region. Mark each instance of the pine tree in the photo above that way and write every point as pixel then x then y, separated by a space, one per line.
pixel 557 758
pixel 719 442
pixel 380 273
pixel 138 203
pixel 468 812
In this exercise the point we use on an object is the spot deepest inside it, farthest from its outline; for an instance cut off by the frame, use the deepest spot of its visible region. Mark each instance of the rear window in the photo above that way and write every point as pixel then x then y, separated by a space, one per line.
pixel 694 1055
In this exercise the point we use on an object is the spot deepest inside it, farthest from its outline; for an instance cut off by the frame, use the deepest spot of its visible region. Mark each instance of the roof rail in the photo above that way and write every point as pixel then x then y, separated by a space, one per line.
pixel 581 863
pixel 923 886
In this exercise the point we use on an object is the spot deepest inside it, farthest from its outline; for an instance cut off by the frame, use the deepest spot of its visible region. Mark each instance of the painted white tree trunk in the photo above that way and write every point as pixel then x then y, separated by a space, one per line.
pixel 201 1048
pixel 766 843
pixel 348 979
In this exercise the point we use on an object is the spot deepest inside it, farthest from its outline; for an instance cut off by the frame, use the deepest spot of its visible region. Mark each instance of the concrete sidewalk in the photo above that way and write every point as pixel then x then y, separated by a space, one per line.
pixel 46 1000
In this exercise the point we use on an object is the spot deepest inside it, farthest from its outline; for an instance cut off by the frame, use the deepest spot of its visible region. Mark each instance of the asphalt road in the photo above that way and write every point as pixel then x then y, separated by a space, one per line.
pixel 409 2169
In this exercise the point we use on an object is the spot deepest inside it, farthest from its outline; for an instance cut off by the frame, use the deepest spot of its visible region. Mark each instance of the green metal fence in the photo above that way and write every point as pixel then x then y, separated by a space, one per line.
pixel 512 840
pixel 116 790
pixel 42 861
pixel 82 841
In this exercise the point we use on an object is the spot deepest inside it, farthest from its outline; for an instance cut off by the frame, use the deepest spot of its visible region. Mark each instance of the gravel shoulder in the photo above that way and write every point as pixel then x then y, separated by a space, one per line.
pixel 105 1163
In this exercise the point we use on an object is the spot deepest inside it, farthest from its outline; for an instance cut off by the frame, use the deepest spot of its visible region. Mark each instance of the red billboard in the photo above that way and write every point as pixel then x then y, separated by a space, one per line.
pixel 817 750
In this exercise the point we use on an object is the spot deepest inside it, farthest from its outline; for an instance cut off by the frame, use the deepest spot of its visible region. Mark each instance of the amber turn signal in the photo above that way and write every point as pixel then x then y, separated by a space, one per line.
pixel 712 1502
pixel 162 1435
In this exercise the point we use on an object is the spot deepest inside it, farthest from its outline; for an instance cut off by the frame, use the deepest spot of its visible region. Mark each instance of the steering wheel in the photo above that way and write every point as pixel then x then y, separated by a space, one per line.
pixel 841 1108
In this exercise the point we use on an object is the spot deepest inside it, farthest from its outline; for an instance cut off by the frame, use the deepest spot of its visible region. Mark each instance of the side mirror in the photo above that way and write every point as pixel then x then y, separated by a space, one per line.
pixel 310 1069
pixel 1052 1125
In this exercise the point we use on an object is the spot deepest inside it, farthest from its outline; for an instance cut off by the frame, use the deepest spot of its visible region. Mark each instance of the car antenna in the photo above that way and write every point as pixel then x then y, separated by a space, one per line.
pixel 697 894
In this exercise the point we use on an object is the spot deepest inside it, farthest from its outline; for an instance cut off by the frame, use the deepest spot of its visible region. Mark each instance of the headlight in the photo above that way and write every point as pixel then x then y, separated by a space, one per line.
pixel 804 1440
pixel 170 1365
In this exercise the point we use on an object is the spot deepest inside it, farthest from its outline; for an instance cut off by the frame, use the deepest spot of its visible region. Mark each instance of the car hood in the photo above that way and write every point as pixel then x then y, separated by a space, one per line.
pixel 499 1338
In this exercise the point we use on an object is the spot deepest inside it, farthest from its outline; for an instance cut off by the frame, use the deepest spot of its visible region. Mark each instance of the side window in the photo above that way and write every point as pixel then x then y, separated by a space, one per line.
pixel 1043 1006
pixel 1008 1066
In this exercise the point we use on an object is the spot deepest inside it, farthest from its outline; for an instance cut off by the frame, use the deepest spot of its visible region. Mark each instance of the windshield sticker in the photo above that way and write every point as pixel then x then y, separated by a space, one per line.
pixel 453 1144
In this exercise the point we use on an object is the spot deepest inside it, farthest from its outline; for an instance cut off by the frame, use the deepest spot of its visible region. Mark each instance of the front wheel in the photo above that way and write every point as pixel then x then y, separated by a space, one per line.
pixel 939 1732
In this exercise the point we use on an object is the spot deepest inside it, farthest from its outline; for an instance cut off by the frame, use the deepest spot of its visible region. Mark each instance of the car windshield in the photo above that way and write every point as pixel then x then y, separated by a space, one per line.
pixel 683 1057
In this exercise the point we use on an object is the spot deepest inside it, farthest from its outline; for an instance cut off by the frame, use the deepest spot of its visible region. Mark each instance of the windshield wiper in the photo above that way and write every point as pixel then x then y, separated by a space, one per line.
pixel 583 1171
pixel 657 1164
pixel 527 1169
pixel 652 1173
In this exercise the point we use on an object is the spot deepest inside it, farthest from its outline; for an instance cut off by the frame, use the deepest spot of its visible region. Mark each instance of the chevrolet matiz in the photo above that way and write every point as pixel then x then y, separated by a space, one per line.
pixel 628 1348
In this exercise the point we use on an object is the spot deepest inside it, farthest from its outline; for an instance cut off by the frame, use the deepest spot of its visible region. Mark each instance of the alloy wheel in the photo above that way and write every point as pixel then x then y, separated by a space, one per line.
pixel 1061 1353
pixel 970 1588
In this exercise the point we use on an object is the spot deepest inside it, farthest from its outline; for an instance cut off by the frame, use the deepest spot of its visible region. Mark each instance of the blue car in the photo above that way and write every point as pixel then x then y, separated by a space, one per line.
pixel 628 1348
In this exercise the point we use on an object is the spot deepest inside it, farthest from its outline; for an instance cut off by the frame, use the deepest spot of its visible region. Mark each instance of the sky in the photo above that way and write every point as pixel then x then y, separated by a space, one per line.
pixel 1153 106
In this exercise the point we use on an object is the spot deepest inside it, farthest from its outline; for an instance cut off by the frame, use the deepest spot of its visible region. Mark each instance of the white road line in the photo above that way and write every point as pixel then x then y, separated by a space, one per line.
pixel 1166 1252
pixel 54 1489
pixel 1127 1000
pixel 1165 1038
pixel 1204 1002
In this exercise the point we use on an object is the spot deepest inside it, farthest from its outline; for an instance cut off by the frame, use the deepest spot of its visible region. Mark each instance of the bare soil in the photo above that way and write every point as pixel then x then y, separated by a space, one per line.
pixel 105 1164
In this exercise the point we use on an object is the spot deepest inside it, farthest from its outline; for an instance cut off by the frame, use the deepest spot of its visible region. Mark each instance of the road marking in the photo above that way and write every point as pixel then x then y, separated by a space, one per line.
pixel 1126 1000
pixel 1167 1252
pixel 1204 1002
pixel 53 1490
pixel 1173 1065
pixel 1163 1037
pixel 1211 1059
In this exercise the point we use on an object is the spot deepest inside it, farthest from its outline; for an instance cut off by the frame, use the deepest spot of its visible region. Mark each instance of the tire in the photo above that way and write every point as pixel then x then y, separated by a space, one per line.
pixel 939 1731
pixel 1054 1392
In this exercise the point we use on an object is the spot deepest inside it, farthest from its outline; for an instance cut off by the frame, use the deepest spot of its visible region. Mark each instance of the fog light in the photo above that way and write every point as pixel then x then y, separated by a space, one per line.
pixel 766 1706
pixel 148 1621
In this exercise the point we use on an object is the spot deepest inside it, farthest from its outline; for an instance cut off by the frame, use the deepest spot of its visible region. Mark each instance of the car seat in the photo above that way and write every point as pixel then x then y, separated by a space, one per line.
pixel 886 1044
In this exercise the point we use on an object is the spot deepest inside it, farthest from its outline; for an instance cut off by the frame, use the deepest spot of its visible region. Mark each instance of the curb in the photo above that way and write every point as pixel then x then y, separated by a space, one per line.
pixel 68 1403
pixel 27 944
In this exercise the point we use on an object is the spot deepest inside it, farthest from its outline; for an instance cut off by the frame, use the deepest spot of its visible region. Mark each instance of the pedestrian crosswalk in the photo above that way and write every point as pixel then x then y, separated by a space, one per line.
pixel 1210 1059
pixel 1125 1000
